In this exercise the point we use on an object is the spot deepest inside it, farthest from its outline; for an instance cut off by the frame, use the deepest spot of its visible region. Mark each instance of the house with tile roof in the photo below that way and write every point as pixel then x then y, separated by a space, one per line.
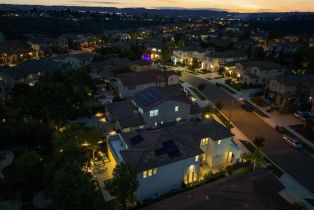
pixel 166 158
pixel 152 107
pixel 128 84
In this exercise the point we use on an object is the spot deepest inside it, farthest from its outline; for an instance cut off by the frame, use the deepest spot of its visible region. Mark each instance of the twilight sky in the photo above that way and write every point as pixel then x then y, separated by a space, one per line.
pixel 230 5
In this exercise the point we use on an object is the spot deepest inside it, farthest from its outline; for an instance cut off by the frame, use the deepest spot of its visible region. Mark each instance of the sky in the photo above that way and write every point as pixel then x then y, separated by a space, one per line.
pixel 229 5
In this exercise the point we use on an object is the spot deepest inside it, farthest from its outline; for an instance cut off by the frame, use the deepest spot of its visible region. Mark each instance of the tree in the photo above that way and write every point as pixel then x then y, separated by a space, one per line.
pixel 256 158
pixel 195 64
pixel 165 55
pixel 219 105
pixel 124 184
pixel 73 189
pixel 259 141
pixel 28 169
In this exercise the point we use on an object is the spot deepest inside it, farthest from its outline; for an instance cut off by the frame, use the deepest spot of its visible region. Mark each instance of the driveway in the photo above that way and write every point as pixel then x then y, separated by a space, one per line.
pixel 297 164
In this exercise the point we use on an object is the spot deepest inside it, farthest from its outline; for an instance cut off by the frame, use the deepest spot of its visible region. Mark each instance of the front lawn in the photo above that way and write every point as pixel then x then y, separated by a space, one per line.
pixel 198 93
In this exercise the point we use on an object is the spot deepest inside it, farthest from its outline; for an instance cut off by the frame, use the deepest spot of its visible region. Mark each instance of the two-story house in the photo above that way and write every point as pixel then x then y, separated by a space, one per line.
pixel 214 62
pixel 129 84
pixel 164 159
pixel 288 90
pixel 76 60
pixel 258 72
pixel 152 107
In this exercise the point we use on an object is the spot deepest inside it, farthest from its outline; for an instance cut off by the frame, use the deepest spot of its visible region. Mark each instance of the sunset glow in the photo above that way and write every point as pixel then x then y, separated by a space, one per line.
pixel 231 5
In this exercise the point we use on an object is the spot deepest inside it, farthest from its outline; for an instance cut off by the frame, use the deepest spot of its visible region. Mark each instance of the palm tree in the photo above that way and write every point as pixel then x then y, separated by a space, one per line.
pixel 256 158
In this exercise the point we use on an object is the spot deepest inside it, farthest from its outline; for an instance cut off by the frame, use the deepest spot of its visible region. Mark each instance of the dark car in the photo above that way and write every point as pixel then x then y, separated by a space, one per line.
pixel 248 107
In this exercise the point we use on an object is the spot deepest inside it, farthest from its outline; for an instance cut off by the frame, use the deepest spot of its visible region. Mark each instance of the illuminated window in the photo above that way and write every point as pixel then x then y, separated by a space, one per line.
pixel 150 172
pixel 144 174
pixel 153 113
pixel 179 119
pixel 176 108
pixel 219 142
pixel 204 141
pixel 196 158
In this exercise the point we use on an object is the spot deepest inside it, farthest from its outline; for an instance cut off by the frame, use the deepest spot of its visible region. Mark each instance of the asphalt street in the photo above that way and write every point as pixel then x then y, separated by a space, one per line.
pixel 296 163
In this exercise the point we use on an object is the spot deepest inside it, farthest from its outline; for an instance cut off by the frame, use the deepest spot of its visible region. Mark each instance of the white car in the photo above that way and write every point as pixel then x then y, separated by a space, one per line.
pixel 293 142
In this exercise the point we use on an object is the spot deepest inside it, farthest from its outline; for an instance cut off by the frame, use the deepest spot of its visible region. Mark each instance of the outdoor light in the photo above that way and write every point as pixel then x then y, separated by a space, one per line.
pixel 207 116
pixel 103 119
pixel 239 75
pixel 99 114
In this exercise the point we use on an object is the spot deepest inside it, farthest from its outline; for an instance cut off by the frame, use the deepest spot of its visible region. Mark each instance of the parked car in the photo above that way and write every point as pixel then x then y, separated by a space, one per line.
pixel 307 117
pixel 293 142
pixel 299 114
pixel 248 107
pixel 279 128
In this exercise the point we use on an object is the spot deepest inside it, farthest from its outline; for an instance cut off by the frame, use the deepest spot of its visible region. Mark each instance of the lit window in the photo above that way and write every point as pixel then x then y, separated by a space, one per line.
pixel 150 172
pixel 176 108
pixel 196 158
pixel 155 171
pixel 153 113
pixel 144 174
pixel 179 119
pixel 204 141
pixel 219 142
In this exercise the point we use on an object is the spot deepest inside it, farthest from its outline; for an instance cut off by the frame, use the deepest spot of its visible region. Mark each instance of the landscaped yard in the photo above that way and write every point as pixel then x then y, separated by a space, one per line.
pixel 270 166
pixel 198 93
pixel 223 119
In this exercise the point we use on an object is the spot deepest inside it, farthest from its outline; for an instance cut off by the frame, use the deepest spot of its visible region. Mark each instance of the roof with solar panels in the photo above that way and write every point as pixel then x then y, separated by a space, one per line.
pixel 154 96
pixel 149 149
pixel 144 77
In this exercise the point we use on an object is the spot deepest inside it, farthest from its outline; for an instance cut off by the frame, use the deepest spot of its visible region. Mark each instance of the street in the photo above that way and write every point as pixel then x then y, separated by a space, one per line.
pixel 297 164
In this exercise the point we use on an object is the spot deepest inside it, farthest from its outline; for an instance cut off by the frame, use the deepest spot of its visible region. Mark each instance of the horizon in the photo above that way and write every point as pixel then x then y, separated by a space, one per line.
pixel 242 6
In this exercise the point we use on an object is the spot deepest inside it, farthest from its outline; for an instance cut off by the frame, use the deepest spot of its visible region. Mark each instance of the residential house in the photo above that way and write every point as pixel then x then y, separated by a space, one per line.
pixel 187 55
pixel 128 84
pixel 114 65
pixel 164 159
pixel 258 190
pixel 287 90
pixel 125 115
pixel 14 52
pixel 257 72
pixel 41 44
pixel 214 62
pixel 152 107
pixel 76 60
pixel 29 71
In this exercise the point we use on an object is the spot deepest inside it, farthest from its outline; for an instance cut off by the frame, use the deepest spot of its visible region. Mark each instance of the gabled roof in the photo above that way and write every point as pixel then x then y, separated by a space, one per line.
pixel 293 80
pixel 144 77
pixel 125 113
pixel 256 190
pixel 262 65
pixel 150 149
pixel 35 66
pixel 153 96
pixel 229 54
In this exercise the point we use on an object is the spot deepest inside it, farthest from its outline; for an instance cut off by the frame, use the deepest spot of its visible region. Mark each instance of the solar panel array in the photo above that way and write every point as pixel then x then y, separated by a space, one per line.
pixel 148 97
pixel 169 148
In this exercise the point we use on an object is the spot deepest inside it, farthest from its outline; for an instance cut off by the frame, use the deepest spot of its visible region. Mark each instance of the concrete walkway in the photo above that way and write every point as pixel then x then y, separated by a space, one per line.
pixel 8 159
